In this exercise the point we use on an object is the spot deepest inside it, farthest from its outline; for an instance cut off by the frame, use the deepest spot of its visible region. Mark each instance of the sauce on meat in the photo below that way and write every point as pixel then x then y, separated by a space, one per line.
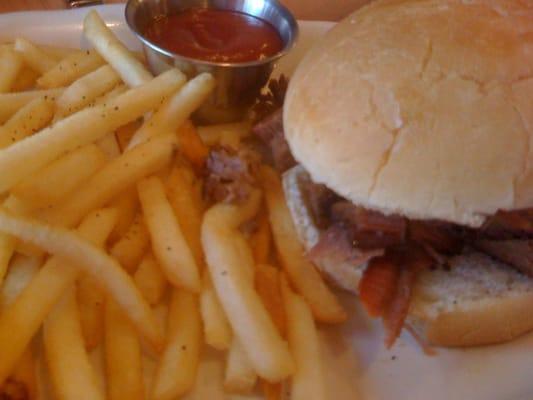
pixel 215 35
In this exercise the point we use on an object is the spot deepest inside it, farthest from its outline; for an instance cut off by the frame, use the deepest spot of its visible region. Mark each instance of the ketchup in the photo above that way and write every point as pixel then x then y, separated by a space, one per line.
pixel 215 35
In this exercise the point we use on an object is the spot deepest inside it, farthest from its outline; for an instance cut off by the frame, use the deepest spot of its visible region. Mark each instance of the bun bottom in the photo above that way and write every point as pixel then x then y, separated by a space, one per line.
pixel 479 301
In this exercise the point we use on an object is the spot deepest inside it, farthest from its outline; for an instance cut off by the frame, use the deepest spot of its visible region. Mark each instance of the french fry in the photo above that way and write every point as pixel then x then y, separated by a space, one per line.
pixel 187 207
pixel 129 250
pixel 126 132
pixel 21 272
pixel 308 379
pixel 127 205
pixel 10 103
pixel 268 286
pixel 224 134
pixel 25 79
pixel 109 145
pixel 29 119
pixel 70 370
pixel 90 299
pixel 150 280
pixel 261 238
pixel 34 57
pixel 231 266
pixel 132 71
pixel 8 244
pixel 168 243
pixel 175 111
pixel 17 207
pixel 97 358
pixel 273 391
pixel 240 376
pixel 178 366
pixel 7 247
pixel 30 308
pixel 84 90
pixel 117 91
pixel 57 52
pixel 10 64
pixel 122 355
pixel 72 67
pixel 83 127
pixel 303 275
pixel 111 180
pixel 25 374
pixel 217 331
pixel 44 389
pixel 54 182
pixel 267 281
pixel 191 145
pixel 92 261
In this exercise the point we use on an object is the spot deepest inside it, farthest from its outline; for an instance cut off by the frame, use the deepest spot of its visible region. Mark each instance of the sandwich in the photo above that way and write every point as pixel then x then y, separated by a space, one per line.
pixel 405 140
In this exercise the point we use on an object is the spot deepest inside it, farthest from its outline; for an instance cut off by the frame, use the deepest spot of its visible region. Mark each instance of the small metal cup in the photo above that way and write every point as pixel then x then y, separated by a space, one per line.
pixel 237 84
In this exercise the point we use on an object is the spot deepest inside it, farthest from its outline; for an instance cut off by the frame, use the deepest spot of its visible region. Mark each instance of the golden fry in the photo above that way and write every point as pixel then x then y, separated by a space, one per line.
pixel 131 70
pixel 127 205
pixel 303 275
pixel 187 207
pixel 90 300
pixel 191 145
pixel 168 243
pixel 240 376
pixel 150 279
pixel 85 90
pixel 37 59
pixel 59 178
pixel 10 64
pixel 71 68
pixel 178 365
pixel 261 239
pixel 308 380
pixel 26 121
pixel 217 330
pixel 231 266
pixel 90 259
pixel 115 177
pixel 69 368
pixel 129 250
pixel 122 355
pixel 31 307
pixel 175 111
pixel 83 127
pixel 10 103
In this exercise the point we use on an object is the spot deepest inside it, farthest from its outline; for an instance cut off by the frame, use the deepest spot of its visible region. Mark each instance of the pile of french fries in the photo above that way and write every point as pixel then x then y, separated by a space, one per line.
pixel 107 245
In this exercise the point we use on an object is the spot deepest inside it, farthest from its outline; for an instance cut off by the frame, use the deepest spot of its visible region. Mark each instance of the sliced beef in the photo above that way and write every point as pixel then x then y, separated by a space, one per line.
pixel 387 286
pixel 230 174
pixel 515 252
pixel 270 99
pixel 336 245
pixel 413 261
pixel 516 224
pixel 319 200
pixel 442 237
pixel 270 131
pixel 378 285
pixel 369 229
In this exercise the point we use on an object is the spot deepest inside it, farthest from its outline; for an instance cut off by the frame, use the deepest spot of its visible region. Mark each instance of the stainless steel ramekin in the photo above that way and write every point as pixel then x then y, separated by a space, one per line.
pixel 237 83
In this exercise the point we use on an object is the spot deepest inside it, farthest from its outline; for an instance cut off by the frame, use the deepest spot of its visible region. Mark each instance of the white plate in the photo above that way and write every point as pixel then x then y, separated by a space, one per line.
pixel 358 366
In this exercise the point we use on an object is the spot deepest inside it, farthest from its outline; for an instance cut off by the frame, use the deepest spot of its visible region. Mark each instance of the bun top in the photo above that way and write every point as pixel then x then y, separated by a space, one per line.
pixel 421 107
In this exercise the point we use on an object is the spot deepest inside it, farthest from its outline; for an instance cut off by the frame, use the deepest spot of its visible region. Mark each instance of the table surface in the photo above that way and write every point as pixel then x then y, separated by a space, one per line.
pixel 325 10
pixel 24 5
